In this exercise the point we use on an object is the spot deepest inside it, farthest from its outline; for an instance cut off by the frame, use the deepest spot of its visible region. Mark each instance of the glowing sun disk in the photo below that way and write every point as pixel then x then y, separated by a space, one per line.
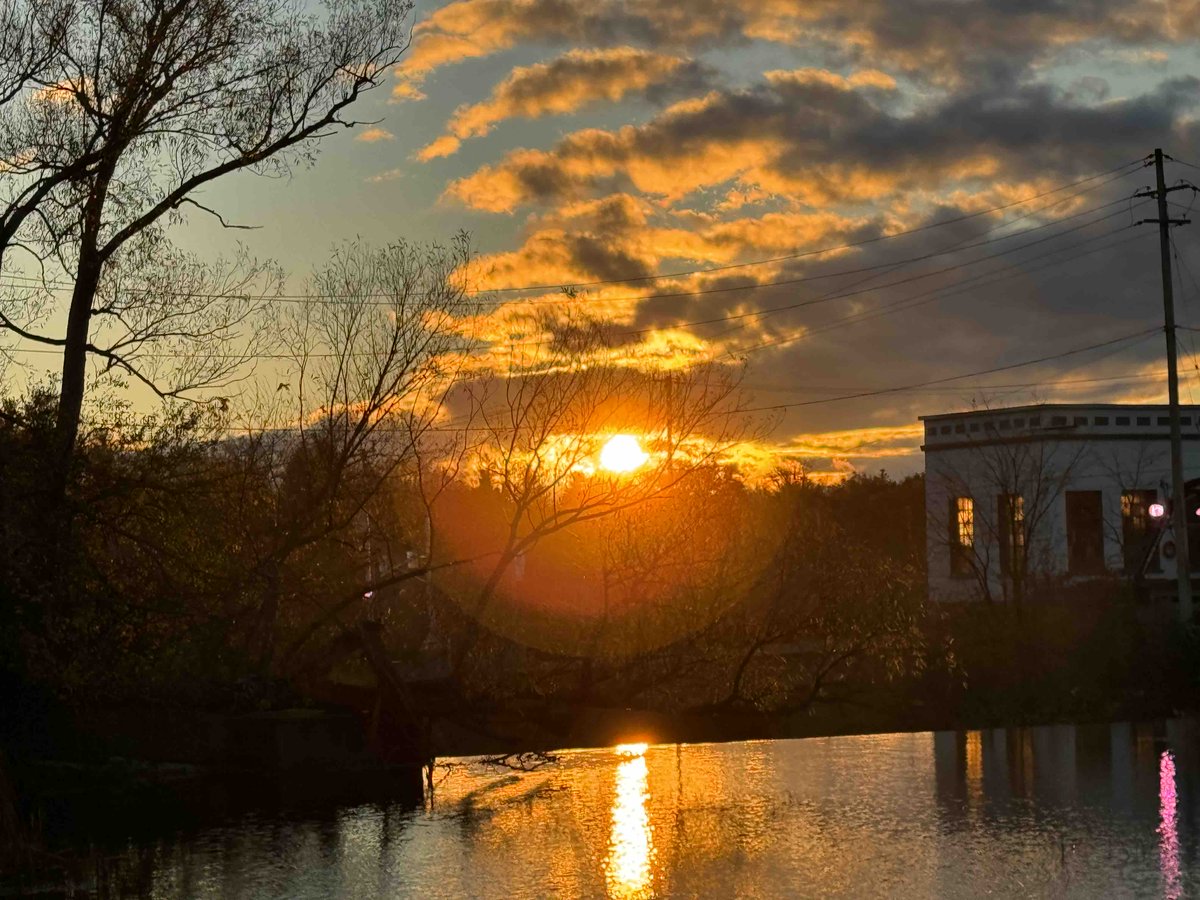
pixel 622 453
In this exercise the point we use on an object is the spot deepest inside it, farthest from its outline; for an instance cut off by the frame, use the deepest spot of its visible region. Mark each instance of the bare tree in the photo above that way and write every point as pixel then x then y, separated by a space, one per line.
pixel 542 422
pixel 1014 486
pixel 369 374
pixel 115 114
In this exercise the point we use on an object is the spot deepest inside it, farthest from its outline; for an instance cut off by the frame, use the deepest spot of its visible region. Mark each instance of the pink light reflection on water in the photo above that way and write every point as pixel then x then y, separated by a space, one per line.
pixel 1168 828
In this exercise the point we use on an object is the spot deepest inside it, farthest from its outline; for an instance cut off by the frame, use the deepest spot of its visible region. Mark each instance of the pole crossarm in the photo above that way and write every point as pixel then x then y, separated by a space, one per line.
pixel 1166 190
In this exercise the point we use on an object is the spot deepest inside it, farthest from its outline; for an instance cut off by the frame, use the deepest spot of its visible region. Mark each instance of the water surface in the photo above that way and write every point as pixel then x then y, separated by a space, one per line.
pixel 1105 811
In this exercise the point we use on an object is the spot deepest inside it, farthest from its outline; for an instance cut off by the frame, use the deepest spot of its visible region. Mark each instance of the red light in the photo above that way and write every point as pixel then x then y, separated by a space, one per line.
pixel 1157 511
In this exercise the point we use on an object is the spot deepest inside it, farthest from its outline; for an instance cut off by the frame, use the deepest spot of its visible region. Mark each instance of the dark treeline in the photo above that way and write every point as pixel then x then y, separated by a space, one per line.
pixel 235 573
pixel 268 571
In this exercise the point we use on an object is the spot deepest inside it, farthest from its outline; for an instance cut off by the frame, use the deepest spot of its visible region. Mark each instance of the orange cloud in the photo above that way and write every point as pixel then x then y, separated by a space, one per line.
pixel 927 42
pixel 763 138
pixel 374 134
pixel 563 85
pixel 620 236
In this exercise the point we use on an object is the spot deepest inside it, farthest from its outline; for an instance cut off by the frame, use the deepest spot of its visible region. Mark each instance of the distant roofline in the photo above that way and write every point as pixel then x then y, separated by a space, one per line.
pixel 1044 407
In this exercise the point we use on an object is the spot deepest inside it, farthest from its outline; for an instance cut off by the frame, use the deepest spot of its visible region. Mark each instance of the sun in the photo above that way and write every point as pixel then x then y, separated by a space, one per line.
pixel 622 453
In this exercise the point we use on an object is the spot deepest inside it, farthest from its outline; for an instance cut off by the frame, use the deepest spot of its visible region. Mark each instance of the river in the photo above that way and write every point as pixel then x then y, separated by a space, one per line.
pixel 1089 811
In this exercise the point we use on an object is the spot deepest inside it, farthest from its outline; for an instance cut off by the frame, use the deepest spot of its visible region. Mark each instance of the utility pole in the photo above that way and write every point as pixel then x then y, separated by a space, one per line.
pixel 1179 513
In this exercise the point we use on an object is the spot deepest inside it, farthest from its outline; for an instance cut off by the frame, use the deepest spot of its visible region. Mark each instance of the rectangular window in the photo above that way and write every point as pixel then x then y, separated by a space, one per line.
pixel 1035 422
pixel 974 426
pixel 1011 508
pixel 945 429
pixel 1122 420
pixel 1058 420
pixel 1081 420
pixel 1085 533
pixel 1137 536
pixel 1005 424
pixel 1018 423
pixel 1143 420
pixel 1185 420
pixel 1164 420
pixel 960 428
pixel 1100 420
pixel 962 536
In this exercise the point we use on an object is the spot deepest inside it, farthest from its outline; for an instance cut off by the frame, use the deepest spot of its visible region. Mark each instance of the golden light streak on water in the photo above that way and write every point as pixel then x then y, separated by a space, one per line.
pixel 975 768
pixel 628 868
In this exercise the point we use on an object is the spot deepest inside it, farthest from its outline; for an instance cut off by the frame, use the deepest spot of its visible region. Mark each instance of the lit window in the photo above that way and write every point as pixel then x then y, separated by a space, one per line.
pixel 965 508
pixel 962 536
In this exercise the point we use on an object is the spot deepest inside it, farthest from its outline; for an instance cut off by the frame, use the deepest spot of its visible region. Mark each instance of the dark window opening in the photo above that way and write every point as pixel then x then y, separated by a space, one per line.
pixel 1081 420
pixel 1018 423
pixel 1005 424
pixel 945 429
pixel 1122 420
pixel 1100 420
pixel 1058 420
pixel 960 428
pixel 1164 420
pixel 1138 536
pixel 1143 420
pixel 1035 421
pixel 1011 508
pixel 1085 533
pixel 974 426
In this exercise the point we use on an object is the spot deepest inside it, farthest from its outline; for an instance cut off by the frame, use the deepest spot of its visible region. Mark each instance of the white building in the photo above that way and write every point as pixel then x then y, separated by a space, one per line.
pixel 1033 496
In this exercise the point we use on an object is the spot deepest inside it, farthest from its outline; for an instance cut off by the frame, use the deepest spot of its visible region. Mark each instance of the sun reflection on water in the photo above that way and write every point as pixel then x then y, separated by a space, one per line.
pixel 627 869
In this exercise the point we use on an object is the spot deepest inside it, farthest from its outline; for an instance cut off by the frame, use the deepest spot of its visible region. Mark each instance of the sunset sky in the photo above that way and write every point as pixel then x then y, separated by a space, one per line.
pixel 609 141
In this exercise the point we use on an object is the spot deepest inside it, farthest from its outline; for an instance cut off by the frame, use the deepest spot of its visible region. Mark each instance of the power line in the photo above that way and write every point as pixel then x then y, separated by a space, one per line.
pixel 792 389
pixel 874 392
pixel 941 293
pixel 1182 265
pixel 934 381
pixel 988 279
pixel 1136 165
pixel 959 245
pixel 641 298
pixel 850 293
